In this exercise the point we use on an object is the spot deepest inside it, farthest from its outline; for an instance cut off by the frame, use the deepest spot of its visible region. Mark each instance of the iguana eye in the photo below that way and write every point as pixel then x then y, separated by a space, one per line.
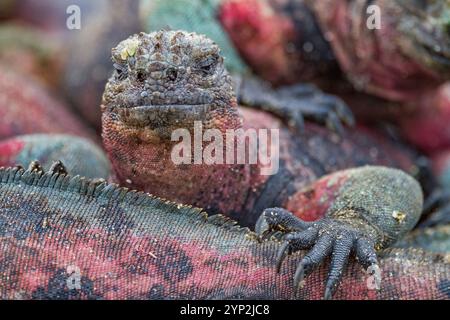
pixel 207 65
pixel 121 71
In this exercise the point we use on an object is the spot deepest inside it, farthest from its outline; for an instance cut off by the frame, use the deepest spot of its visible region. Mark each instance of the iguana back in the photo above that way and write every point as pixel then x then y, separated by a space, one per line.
pixel 65 237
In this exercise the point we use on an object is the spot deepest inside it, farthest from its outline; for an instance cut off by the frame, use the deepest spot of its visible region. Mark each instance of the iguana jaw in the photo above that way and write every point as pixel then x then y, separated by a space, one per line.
pixel 154 116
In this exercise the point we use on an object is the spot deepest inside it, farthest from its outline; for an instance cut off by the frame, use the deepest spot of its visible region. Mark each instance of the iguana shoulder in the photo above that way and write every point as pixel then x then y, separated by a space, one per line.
pixel 81 156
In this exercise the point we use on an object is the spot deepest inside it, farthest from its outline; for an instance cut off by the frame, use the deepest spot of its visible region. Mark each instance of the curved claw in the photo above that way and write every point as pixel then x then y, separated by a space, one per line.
pixel 339 108
pixel 282 254
pixel 334 124
pixel 283 220
pixel 313 258
pixel 339 259
pixel 365 252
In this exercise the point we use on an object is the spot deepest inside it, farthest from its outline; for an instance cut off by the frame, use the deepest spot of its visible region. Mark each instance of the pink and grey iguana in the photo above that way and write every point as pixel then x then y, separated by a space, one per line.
pixel 64 237
pixel 167 80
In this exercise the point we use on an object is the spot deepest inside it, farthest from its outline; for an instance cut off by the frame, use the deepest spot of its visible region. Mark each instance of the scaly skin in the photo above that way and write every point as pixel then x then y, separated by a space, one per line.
pixel 168 80
pixel 138 138
pixel 405 61
pixel 26 108
pixel 292 103
pixel 161 250
pixel 79 155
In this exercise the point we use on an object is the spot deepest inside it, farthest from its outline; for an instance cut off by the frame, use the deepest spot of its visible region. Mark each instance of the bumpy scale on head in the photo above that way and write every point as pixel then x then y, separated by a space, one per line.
pixel 166 80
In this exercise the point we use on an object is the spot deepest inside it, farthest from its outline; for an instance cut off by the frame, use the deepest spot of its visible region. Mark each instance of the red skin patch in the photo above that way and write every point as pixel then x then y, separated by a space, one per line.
pixel 371 58
pixel 128 266
pixel 312 203
pixel 122 271
pixel 428 128
pixel 261 35
pixel 9 150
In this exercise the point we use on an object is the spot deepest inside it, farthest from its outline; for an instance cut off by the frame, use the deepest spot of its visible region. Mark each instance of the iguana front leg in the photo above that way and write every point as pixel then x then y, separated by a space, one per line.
pixel 364 210
pixel 294 103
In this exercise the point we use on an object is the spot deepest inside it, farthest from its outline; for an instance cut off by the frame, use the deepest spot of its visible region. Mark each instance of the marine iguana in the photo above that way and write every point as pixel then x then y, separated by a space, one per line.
pixel 402 60
pixel 64 237
pixel 167 80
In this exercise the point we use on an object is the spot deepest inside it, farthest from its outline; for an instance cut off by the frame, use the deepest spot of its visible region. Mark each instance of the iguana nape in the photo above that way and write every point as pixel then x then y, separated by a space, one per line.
pixel 64 237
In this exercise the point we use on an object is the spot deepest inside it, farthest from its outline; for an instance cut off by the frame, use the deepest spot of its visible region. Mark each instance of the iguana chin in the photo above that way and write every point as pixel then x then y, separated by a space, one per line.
pixel 65 237
pixel 168 80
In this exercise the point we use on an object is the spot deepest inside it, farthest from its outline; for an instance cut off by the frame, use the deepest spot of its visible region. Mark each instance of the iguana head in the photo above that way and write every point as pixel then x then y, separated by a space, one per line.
pixel 424 30
pixel 167 80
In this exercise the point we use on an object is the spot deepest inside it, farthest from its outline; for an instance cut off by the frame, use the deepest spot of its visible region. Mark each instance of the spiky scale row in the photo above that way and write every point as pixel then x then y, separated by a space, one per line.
pixel 137 134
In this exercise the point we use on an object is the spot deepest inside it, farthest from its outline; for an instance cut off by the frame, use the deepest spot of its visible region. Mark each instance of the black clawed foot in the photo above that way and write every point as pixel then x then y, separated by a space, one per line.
pixel 296 102
pixel 327 237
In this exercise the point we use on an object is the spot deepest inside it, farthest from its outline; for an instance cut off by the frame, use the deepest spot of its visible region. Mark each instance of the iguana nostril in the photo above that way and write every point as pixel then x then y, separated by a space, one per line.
pixel 140 76
pixel 172 74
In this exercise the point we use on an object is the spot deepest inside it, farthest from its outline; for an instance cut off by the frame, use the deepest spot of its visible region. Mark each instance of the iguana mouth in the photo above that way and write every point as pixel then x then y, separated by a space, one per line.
pixel 164 114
